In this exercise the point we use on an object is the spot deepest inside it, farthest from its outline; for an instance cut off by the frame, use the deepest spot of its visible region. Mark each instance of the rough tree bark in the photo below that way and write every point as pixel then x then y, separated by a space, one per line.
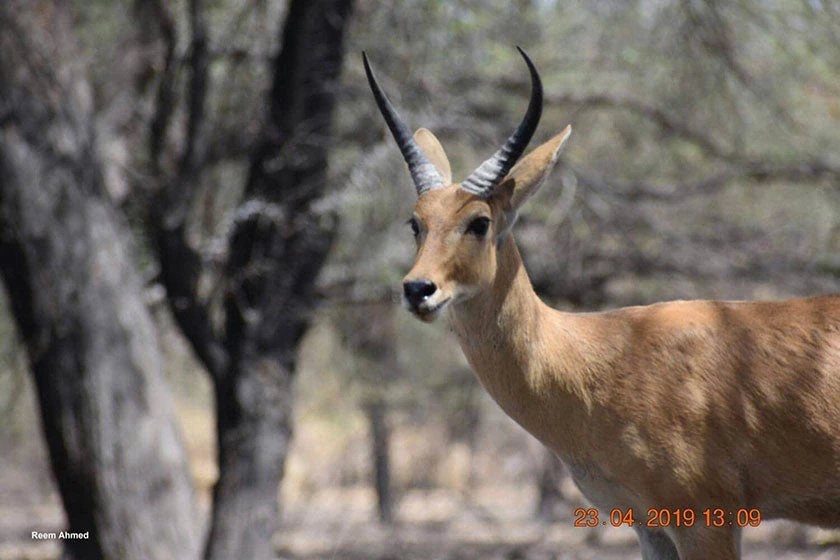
pixel 276 253
pixel 65 258
pixel 277 246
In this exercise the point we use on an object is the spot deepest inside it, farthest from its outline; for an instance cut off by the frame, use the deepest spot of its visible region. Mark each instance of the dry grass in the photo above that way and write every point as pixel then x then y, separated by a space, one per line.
pixel 328 514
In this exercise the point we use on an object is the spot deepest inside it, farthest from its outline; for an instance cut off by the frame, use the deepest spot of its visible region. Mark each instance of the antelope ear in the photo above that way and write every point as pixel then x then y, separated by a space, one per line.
pixel 434 151
pixel 530 173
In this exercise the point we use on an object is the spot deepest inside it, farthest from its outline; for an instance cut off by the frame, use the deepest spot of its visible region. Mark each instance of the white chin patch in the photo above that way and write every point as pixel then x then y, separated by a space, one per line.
pixel 429 310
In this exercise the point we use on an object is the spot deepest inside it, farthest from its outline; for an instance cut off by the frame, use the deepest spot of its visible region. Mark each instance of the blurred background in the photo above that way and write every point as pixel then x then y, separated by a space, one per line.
pixel 214 175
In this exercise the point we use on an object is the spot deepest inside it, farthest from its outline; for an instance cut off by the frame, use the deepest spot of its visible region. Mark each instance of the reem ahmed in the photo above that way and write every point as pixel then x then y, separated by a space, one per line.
pixel 63 535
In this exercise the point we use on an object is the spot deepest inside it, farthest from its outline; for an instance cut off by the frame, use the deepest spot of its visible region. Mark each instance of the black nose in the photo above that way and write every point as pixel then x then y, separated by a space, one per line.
pixel 418 290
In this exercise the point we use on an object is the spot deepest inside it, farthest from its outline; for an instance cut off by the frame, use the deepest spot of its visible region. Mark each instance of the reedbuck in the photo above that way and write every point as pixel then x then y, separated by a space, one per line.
pixel 685 420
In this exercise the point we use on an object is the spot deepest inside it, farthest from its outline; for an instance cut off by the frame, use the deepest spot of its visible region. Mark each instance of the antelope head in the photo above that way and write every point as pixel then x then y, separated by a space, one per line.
pixel 460 227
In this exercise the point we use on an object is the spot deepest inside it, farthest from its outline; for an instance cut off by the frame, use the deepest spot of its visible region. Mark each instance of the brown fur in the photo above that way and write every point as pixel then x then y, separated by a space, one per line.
pixel 697 404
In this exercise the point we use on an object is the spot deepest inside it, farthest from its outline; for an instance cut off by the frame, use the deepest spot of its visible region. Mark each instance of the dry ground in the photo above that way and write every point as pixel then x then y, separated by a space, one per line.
pixel 327 519
pixel 337 524
pixel 495 525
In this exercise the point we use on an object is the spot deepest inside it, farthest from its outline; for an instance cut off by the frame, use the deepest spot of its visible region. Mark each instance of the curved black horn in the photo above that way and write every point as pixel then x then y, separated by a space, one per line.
pixel 423 172
pixel 484 180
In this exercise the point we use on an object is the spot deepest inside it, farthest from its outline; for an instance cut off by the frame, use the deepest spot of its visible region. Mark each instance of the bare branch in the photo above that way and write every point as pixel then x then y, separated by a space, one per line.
pixel 181 265
pixel 165 103
pixel 668 122
pixel 657 115
pixel 641 190
pixel 754 170
pixel 199 67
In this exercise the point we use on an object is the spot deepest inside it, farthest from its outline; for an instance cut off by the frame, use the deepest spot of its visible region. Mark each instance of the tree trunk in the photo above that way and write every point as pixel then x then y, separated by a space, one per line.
pixel 369 332
pixel 381 460
pixel 254 427
pixel 279 243
pixel 65 258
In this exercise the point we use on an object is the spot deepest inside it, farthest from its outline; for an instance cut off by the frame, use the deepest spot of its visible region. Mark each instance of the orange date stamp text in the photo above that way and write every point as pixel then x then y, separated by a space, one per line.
pixel 663 517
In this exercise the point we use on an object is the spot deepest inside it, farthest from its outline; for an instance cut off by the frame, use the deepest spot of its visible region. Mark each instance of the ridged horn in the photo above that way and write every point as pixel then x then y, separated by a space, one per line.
pixel 423 172
pixel 484 180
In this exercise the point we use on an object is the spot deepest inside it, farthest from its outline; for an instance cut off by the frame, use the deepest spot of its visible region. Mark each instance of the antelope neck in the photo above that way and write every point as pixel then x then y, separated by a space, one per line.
pixel 502 317
pixel 499 332
pixel 528 356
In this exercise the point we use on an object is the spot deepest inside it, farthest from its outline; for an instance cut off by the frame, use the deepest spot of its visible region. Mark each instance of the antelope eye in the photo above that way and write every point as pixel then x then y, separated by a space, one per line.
pixel 415 227
pixel 479 226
